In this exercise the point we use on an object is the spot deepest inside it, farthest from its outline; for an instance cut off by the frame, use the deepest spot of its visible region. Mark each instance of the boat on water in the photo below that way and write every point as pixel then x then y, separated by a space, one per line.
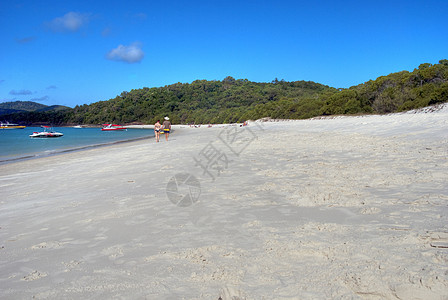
pixel 47 133
pixel 113 127
pixel 8 125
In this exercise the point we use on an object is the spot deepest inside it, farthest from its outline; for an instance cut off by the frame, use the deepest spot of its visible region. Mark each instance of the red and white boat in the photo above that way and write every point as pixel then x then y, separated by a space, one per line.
pixel 47 133
pixel 112 127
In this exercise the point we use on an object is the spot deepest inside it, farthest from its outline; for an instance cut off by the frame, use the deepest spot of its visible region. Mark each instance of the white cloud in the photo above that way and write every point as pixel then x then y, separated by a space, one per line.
pixel 26 40
pixel 71 21
pixel 140 16
pixel 44 98
pixel 130 54
pixel 106 32
pixel 21 92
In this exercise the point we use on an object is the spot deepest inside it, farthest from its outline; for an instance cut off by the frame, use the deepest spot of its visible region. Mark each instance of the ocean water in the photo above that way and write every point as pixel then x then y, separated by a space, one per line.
pixel 15 144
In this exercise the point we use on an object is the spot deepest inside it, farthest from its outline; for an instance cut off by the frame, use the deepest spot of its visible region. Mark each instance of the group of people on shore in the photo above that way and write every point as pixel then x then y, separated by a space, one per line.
pixel 165 126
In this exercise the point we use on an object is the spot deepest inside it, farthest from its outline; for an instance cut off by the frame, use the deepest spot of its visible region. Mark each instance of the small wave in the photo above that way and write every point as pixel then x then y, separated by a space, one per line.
pixel 13 159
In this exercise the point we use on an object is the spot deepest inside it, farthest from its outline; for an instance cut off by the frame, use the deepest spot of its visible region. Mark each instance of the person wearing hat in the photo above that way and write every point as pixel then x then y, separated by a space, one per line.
pixel 166 127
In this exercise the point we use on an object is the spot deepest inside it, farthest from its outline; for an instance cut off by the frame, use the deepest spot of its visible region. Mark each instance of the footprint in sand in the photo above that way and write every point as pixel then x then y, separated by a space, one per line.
pixel 34 276
pixel 113 252
pixel 230 293
pixel 47 245
pixel 438 239
pixel 369 210
pixel 74 264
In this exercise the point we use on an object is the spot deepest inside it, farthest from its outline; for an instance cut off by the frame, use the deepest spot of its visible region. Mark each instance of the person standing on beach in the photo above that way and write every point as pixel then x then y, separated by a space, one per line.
pixel 167 127
pixel 157 128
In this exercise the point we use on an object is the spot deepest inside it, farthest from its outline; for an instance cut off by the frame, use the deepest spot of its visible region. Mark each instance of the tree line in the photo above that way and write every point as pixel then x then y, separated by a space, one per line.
pixel 236 100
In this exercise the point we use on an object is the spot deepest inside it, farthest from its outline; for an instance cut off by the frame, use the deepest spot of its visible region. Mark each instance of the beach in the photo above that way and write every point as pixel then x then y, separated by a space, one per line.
pixel 339 207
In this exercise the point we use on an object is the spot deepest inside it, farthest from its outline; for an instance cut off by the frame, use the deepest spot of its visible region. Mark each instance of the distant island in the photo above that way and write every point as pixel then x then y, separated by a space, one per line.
pixel 29 112
pixel 236 100
pixel 27 106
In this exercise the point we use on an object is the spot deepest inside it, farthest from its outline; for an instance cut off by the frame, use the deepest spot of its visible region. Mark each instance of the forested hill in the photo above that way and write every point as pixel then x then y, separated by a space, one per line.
pixel 232 100
pixel 201 101
pixel 401 91
pixel 19 106
pixel 15 107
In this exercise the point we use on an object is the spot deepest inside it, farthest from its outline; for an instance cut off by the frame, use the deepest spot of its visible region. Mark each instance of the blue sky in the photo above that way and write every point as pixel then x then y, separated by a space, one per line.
pixel 79 52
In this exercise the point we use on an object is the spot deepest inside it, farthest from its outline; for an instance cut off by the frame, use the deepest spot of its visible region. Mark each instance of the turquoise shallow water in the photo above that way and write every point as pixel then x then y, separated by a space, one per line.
pixel 15 144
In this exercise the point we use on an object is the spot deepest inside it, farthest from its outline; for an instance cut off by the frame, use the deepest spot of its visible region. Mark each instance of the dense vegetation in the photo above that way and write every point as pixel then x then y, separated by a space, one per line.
pixel 395 92
pixel 201 101
pixel 233 100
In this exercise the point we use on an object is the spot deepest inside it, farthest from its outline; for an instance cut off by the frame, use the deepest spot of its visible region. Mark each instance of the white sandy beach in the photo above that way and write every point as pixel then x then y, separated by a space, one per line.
pixel 344 207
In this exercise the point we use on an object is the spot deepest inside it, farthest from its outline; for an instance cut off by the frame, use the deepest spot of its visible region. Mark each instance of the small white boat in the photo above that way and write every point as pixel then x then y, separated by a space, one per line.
pixel 8 125
pixel 47 133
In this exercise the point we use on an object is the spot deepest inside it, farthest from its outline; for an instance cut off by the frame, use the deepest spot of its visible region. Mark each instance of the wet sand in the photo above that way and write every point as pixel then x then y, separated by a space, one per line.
pixel 347 207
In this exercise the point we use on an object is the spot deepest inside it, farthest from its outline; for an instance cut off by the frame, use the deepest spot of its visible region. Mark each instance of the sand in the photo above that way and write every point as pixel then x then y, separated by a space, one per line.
pixel 343 207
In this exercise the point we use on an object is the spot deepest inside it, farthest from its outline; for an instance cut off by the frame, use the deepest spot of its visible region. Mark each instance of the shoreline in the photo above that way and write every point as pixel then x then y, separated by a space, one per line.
pixel 63 151
pixel 87 147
